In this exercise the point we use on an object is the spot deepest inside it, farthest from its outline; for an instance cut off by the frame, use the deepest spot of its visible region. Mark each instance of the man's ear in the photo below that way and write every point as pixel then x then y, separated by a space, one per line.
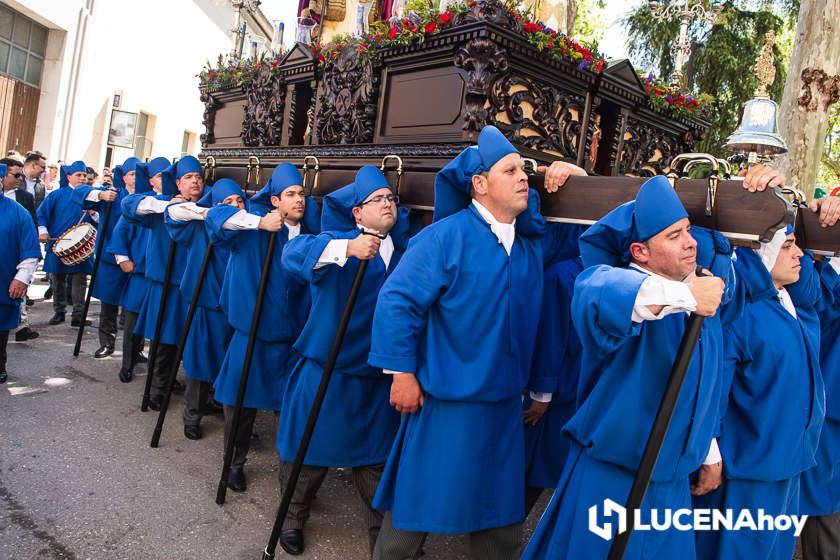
pixel 357 213
pixel 639 252
pixel 479 184
pixel 274 200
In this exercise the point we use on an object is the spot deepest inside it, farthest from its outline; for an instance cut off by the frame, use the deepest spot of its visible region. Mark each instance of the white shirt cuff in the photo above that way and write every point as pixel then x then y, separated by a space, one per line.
pixel 121 258
pixel 242 220
pixel 835 264
pixel 675 297
pixel 186 212
pixel 151 205
pixel 714 456
pixel 42 230
pixel 93 196
pixel 540 397
pixel 334 253
pixel 26 270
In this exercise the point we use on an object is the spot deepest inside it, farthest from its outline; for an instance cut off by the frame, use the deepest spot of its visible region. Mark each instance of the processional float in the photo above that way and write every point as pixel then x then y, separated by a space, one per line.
pixel 412 108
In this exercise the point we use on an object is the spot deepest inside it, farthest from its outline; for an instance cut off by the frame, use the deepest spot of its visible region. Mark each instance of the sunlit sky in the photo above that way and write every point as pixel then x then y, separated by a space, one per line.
pixel 612 44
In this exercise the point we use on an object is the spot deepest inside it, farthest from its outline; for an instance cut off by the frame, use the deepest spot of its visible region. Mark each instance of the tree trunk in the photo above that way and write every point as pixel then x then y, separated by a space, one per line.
pixel 812 86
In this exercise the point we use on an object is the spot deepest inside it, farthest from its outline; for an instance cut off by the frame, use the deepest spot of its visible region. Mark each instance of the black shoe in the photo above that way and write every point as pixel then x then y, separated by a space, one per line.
pixel 29 301
pixel 141 358
pixel 125 375
pixel 155 403
pixel 48 294
pixel 104 351
pixel 25 334
pixel 292 541
pixel 57 318
pixel 192 432
pixel 211 408
pixel 178 387
pixel 236 479
pixel 78 322
pixel 3 375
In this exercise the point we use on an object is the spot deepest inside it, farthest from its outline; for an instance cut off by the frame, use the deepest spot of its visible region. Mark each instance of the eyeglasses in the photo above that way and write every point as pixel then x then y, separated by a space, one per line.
pixel 16 175
pixel 379 199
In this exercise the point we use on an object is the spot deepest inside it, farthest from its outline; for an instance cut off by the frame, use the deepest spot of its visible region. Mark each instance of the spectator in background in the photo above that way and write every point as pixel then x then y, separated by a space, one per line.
pixel 91 176
pixel 13 189
pixel 15 155
pixel 51 179
pixel 33 175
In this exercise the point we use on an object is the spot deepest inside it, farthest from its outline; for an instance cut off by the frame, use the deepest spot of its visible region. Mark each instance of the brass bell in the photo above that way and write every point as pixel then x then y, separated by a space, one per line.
pixel 758 132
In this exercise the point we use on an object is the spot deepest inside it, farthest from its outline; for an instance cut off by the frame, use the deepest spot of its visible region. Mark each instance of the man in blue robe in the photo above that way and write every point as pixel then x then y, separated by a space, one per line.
pixel 629 309
pixel 768 385
pixel 185 180
pixel 280 206
pixel 110 279
pixel 455 329
pixel 550 399
pixel 127 247
pixel 820 486
pixel 18 260
pixel 210 333
pixel 57 214
pixel 360 221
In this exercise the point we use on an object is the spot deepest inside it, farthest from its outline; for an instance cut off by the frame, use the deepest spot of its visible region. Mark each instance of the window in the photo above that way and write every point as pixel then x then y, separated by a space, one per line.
pixel 188 143
pixel 23 44
pixel 144 138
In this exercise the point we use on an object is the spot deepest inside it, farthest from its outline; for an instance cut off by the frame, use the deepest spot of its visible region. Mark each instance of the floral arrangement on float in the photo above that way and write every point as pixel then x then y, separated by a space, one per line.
pixel 665 98
pixel 231 70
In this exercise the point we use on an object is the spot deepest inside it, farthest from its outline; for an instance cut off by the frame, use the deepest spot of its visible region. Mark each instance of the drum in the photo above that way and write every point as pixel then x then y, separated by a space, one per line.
pixel 75 245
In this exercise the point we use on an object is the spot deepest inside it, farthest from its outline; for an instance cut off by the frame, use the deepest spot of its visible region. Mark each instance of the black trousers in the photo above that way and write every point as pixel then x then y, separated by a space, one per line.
pixel 132 343
pixel 365 478
pixel 163 363
pixel 820 539
pixel 4 341
pixel 108 324
pixel 499 543
pixel 75 296
pixel 242 441
pixel 195 400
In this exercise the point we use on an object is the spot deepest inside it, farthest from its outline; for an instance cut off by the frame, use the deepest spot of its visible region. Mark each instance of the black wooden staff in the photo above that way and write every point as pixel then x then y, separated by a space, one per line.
pixel 167 276
pixel 97 256
pixel 221 492
pixel 289 488
pixel 658 432
pixel 182 343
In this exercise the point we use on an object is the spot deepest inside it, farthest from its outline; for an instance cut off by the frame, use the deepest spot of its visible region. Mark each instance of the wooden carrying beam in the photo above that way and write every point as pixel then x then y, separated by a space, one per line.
pixel 745 218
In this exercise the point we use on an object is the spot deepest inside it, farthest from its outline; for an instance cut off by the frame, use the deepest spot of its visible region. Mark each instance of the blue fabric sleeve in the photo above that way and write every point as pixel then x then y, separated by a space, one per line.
pixel 80 194
pixel 29 247
pixel 404 300
pixel 301 254
pixel 44 211
pixel 214 222
pixel 602 306
pixel 119 243
pixel 129 211
pixel 806 292
pixel 184 232
pixel 560 242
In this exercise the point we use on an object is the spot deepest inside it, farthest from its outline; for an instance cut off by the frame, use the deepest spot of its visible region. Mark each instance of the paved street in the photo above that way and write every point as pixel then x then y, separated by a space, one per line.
pixel 78 479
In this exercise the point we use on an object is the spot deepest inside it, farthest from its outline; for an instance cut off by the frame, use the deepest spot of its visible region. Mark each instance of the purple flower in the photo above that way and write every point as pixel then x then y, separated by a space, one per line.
pixel 583 64
pixel 669 98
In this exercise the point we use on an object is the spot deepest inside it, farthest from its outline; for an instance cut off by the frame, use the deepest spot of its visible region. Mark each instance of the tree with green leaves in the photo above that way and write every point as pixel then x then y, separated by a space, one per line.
pixel 722 59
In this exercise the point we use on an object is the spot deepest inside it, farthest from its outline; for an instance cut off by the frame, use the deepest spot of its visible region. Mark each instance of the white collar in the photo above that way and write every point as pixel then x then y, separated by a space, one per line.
pixel 294 230
pixel 835 264
pixel 505 233
pixel 386 248
pixel 787 302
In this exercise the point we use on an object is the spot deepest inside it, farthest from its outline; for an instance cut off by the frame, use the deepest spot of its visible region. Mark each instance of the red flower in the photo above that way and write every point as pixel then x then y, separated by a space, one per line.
pixel 211 75
pixel 321 58
pixel 470 4
pixel 392 33
pixel 430 27
pixel 532 28
pixel 445 17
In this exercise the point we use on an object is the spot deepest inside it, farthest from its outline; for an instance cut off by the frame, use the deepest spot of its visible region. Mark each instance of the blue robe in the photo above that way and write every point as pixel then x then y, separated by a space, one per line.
pixel 459 312
pixel 356 425
pixel 284 312
pixel 110 279
pixel 555 369
pixel 157 252
pixel 58 213
pixel 130 240
pixel 820 485
pixel 20 241
pixel 624 369
pixel 773 419
pixel 210 333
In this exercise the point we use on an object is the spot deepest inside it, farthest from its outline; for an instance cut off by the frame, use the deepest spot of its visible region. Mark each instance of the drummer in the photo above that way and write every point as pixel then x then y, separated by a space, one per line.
pixel 56 215
pixel 110 279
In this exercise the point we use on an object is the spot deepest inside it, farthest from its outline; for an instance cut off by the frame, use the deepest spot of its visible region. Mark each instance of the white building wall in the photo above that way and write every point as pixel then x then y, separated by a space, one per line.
pixel 149 49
